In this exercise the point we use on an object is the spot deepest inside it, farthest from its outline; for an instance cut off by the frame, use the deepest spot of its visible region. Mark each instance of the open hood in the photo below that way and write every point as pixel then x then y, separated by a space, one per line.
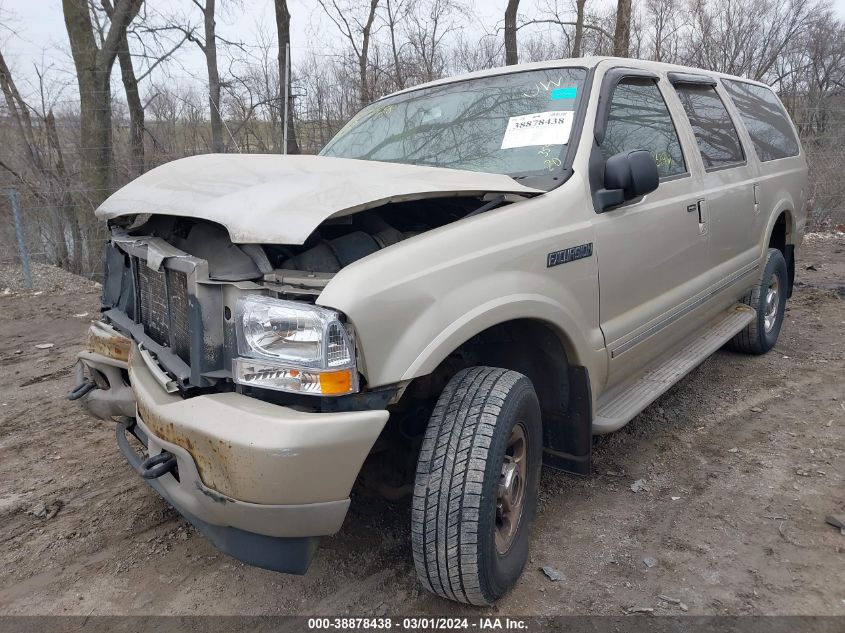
pixel 273 199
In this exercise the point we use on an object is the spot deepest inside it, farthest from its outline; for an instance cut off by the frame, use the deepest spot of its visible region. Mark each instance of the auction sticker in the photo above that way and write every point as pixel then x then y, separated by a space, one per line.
pixel 540 128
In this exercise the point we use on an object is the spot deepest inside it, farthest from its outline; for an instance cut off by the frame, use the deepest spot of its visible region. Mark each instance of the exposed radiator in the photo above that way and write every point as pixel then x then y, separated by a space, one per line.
pixel 164 307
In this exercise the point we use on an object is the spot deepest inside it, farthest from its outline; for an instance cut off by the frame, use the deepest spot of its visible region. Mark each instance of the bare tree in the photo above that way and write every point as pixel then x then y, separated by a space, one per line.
pixel 429 25
pixel 144 33
pixel 32 157
pixel 397 11
pixel 663 27
pixel 357 29
pixel 93 73
pixel 578 41
pixel 511 52
pixel 744 37
pixel 585 28
pixel 283 31
pixel 133 97
pixel 207 43
pixel 469 56
pixel 622 33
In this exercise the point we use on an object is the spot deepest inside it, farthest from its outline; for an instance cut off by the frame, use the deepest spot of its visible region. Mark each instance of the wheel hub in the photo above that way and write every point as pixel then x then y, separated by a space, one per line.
pixel 510 494
pixel 770 315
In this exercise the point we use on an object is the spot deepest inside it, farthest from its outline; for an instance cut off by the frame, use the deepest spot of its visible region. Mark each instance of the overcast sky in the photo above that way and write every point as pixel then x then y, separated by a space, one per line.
pixel 32 32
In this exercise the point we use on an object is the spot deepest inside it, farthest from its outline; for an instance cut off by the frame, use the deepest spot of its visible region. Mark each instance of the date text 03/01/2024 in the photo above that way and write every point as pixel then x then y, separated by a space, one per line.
pixel 417 624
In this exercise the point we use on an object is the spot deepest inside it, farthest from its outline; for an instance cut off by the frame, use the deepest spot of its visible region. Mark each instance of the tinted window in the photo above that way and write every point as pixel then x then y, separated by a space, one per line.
pixel 639 119
pixel 717 139
pixel 766 121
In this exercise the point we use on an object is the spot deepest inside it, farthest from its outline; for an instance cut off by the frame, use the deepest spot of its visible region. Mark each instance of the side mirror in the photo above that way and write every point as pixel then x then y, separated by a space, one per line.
pixel 627 175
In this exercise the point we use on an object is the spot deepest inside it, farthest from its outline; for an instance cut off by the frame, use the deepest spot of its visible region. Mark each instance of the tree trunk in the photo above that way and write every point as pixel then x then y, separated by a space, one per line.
pixel 210 50
pixel 19 113
pixel 93 74
pixel 622 34
pixel 64 194
pixel 397 68
pixel 363 59
pixel 578 42
pixel 96 134
pixel 511 53
pixel 136 110
pixel 283 30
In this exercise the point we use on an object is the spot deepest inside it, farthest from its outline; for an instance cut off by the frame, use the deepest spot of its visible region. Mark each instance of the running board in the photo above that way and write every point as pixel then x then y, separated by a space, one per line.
pixel 615 412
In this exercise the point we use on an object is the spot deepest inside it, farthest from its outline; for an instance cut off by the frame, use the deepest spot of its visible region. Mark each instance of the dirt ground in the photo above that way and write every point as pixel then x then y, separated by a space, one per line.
pixel 741 462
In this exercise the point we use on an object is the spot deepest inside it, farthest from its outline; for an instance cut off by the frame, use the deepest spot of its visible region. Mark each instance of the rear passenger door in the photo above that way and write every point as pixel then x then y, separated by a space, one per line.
pixel 781 166
pixel 652 253
pixel 725 184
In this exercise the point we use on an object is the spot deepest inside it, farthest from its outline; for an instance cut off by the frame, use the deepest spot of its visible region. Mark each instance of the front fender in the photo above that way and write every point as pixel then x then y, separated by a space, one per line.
pixel 494 312
pixel 414 303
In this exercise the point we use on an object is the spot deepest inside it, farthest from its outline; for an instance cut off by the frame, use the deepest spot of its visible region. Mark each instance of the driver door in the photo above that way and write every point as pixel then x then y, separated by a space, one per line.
pixel 652 251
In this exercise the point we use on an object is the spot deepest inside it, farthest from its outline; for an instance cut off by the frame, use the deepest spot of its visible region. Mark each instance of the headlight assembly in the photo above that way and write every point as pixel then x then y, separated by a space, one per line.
pixel 292 346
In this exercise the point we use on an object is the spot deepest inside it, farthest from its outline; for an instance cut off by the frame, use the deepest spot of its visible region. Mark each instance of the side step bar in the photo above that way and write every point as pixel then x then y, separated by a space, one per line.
pixel 621 407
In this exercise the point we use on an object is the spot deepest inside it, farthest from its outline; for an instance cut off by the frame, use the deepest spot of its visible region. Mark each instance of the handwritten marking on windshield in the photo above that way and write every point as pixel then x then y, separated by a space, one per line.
pixel 551 162
pixel 543 86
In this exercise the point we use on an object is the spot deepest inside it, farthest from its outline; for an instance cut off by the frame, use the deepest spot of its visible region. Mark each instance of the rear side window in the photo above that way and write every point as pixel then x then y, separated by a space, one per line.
pixel 639 119
pixel 717 139
pixel 765 119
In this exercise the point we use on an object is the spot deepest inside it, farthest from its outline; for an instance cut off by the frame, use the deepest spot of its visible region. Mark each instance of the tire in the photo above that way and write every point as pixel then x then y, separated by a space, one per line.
pixel 761 334
pixel 457 512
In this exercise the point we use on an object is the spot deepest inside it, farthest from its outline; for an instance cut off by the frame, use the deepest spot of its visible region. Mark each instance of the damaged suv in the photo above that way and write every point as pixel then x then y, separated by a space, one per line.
pixel 472 279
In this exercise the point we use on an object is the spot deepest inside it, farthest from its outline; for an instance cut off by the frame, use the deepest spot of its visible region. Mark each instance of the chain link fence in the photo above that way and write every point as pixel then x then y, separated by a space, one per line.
pixel 827 187
pixel 70 237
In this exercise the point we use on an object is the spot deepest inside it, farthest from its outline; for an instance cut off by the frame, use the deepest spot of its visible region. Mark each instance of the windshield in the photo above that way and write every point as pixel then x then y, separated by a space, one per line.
pixel 516 124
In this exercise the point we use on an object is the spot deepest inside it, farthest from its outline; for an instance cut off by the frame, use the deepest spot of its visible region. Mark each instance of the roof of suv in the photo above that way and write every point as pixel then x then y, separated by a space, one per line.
pixel 583 62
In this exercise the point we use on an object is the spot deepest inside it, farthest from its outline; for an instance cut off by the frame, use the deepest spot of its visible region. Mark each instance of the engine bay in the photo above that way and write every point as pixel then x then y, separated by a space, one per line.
pixel 333 245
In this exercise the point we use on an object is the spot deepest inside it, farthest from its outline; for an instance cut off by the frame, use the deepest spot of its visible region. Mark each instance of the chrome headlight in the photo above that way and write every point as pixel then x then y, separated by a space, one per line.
pixel 293 346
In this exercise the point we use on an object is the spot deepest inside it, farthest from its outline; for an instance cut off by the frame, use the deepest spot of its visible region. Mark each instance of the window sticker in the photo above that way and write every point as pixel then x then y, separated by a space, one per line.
pixel 569 92
pixel 540 128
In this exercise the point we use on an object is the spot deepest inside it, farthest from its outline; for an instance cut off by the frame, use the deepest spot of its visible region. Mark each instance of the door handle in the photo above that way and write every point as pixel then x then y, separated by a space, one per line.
pixel 701 207
pixel 756 198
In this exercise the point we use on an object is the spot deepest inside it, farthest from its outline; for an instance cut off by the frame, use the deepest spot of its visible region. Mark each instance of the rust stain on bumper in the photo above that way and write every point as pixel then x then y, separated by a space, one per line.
pixel 108 343
pixel 212 457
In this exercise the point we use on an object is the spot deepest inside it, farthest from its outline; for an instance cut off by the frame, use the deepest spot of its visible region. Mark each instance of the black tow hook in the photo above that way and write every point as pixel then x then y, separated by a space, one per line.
pixel 81 389
pixel 157 465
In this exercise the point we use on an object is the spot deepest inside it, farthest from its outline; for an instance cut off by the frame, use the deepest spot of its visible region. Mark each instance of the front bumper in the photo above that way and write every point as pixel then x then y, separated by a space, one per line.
pixel 261 481
pixel 291 555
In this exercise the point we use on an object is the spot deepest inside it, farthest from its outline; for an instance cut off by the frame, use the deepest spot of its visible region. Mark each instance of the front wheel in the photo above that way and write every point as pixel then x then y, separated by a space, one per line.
pixel 768 298
pixel 476 486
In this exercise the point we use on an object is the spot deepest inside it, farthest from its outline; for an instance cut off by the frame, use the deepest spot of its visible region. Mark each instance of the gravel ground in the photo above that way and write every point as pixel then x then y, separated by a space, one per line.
pixel 44 279
pixel 736 468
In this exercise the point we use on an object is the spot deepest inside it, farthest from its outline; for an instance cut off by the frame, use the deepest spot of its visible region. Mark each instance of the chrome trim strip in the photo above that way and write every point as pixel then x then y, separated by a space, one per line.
pixel 654 329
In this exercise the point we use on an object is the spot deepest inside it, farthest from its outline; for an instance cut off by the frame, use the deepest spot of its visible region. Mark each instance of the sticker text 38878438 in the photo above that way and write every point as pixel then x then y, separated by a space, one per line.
pixel 539 128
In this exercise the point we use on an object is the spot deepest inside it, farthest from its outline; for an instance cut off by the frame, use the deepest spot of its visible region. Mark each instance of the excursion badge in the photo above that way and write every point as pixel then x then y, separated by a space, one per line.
pixel 569 255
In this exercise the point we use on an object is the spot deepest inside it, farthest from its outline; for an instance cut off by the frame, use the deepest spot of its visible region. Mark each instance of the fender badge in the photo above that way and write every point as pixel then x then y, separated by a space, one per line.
pixel 569 255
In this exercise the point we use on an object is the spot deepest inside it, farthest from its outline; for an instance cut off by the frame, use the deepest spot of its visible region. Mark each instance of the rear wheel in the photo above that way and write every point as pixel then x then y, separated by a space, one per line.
pixel 768 298
pixel 476 486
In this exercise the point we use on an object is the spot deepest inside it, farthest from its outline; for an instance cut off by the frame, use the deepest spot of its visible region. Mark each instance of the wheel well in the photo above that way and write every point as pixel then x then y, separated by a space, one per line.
pixel 781 239
pixel 529 347
pixel 535 349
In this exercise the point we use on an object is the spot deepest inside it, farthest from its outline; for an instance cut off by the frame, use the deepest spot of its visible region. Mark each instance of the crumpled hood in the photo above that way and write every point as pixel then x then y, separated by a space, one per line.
pixel 273 199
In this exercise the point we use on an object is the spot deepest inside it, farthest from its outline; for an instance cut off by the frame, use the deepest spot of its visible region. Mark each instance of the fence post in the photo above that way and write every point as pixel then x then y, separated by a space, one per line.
pixel 19 234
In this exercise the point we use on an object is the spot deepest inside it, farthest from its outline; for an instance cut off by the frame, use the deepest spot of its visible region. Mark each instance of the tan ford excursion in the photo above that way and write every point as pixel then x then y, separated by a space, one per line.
pixel 474 277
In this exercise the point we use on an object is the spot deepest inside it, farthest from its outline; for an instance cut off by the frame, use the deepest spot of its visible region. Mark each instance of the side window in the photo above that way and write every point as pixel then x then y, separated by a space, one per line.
pixel 717 139
pixel 765 119
pixel 639 119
